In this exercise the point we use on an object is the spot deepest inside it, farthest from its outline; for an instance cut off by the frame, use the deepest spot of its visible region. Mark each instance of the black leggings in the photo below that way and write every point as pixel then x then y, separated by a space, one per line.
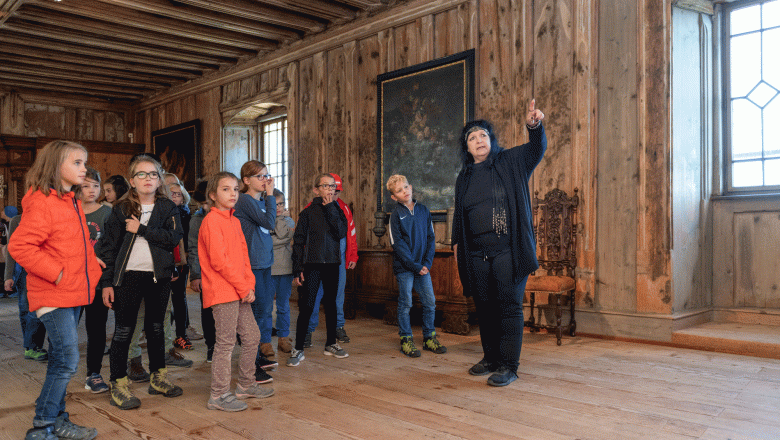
pixel 127 300
pixel 95 322
pixel 499 303
pixel 207 321
pixel 313 275
pixel 180 315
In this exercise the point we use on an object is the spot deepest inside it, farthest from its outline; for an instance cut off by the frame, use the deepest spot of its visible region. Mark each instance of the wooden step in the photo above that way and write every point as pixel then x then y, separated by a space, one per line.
pixel 731 337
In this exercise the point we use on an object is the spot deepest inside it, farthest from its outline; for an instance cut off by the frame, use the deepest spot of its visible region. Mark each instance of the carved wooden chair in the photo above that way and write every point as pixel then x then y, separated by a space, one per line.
pixel 555 225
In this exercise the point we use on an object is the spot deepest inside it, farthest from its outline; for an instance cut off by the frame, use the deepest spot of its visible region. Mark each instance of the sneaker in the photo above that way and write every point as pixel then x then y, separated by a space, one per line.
pixel 226 402
pixel 284 344
pixel 432 344
pixel 335 350
pixel 193 334
pixel 307 340
pixel 253 391
pixel 296 356
pixel 482 368
pixel 183 342
pixel 209 354
pixel 95 384
pixel 159 384
pixel 121 395
pixel 262 377
pixel 65 429
pixel 408 348
pixel 341 335
pixel 136 371
pixel 36 354
pixel 44 433
pixel 174 359
pixel 266 364
pixel 502 377
pixel 267 349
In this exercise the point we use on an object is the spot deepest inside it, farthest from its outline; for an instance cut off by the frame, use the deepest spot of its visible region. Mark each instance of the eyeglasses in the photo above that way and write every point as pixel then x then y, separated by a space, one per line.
pixel 280 204
pixel 143 175
pixel 263 176
pixel 176 194
pixel 325 185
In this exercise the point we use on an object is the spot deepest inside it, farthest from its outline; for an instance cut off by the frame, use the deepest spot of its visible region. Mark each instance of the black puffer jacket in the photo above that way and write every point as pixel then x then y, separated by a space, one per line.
pixel 318 233
pixel 163 233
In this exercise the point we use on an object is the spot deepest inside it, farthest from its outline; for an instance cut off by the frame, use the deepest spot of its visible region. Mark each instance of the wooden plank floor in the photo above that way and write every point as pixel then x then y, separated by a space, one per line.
pixel 585 389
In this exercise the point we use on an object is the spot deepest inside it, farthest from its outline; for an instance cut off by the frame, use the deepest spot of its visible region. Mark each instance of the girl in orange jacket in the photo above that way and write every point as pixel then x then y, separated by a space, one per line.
pixel 52 244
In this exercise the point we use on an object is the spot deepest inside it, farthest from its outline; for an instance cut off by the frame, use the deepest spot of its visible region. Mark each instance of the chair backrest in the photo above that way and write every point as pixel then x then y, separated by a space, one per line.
pixel 556 231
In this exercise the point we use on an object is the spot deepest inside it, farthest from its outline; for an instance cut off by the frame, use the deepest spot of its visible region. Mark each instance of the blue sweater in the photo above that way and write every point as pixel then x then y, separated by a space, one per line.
pixel 258 218
pixel 412 238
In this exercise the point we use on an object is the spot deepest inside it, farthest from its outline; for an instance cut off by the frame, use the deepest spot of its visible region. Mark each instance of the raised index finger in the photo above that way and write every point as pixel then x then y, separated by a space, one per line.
pixel 533 105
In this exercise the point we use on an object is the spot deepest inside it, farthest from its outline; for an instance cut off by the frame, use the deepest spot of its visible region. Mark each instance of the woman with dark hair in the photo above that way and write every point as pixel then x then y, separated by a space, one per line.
pixel 493 238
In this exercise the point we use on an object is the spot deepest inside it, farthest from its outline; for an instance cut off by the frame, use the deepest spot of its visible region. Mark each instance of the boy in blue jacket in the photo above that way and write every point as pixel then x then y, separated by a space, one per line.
pixel 413 241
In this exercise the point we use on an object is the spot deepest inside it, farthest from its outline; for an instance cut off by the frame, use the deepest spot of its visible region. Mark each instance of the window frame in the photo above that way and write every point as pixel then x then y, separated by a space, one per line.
pixel 262 123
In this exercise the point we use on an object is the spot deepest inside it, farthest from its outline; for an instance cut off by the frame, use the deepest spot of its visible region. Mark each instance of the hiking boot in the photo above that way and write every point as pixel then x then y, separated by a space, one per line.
pixel 262 377
pixel 174 359
pixel 267 349
pixel 253 391
pixel 335 350
pixel 408 348
pixel 266 364
pixel 44 433
pixel 121 395
pixel 226 402
pixel 432 344
pixel 209 354
pixel 193 334
pixel 65 429
pixel 95 384
pixel 296 356
pixel 482 368
pixel 502 377
pixel 284 344
pixel 183 342
pixel 159 384
pixel 341 335
pixel 36 354
pixel 136 371
pixel 307 340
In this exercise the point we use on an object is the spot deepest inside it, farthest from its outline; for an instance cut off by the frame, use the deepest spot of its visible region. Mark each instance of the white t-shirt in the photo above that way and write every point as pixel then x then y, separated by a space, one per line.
pixel 140 256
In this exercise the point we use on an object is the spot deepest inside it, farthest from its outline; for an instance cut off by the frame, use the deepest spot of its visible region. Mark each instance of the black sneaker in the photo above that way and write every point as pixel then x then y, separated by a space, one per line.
pixel 65 429
pixel 307 340
pixel 266 364
pixel 262 377
pixel 209 354
pixel 502 377
pixel 174 359
pixel 341 335
pixel 482 368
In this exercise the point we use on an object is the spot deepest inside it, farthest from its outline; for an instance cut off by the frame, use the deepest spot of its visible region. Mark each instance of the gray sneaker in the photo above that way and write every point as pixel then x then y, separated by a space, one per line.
pixel 226 402
pixel 296 356
pixel 254 391
pixel 174 359
pixel 44 433
pixel 335 350
pixel 341 335
pixel 65 429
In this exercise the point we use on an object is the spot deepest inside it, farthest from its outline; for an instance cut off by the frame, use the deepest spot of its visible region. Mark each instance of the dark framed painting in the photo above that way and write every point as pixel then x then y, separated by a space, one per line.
pixel 421 111
pixel 178 148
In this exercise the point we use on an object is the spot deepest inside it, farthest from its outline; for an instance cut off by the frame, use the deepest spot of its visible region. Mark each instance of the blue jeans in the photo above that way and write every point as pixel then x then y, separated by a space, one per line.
pixel 315 316
pixel 61 324
pixel 33 331
pixel 283 288
pixel 424 287
pixel 263 306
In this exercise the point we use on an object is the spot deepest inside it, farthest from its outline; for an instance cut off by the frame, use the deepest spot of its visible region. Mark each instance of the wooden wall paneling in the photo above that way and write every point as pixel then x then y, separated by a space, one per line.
pixel 109 164
pixel 12 112
pixel 320 94
pixel 100 126
pixel 427 33
pixel 310 150
pixel 370 61
pixel 155 121
pixel 150 127
pixel 44 120
pixel 114 128
pixel 188 108
pixel 757 259
pixel 493 66
pixel 162 119
pixel 85 124
pixel 349 177
pixel 211 130
pixel 654 274
pixel 407 44
pixel 585 143
pixel 335 148
pixel 523 40
pixel 70 123
pixel 442 33
pixel 174 112
pixel 618 167
pixel 293 140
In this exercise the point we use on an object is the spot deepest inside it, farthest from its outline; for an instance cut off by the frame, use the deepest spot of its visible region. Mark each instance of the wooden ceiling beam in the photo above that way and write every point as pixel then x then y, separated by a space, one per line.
pixel 76 75
pixel 54 18
pixel 68 88
pixel 366 4
pixel 319 8
pixel 257 13
pixel 203 18
pixel 9 38
pixel 83 85
pixel 96 41
pixel 7 8
pixel 122 16
pixel 35 54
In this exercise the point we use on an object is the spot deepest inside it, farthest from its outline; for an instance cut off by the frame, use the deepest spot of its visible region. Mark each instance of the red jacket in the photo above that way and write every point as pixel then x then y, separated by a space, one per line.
pixel 352 251
pixel 53 237
pixel 225 269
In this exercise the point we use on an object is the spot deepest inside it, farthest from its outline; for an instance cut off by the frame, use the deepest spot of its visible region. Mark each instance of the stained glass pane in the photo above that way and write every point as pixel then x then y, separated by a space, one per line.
pixel 746 19
pixel 770 61
pixel 772 172
pixel 746 174
pixel 745 130
pixel 745 64
pixel 771 14
pixel 772 128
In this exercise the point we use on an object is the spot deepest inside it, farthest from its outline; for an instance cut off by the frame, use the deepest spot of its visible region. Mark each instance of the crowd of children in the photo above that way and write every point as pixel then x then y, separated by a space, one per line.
pixel 132 246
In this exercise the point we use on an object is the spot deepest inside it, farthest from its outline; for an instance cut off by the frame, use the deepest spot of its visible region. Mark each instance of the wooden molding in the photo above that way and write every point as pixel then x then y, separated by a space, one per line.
pixel 69 101
pixel 703 6
pixel 7 9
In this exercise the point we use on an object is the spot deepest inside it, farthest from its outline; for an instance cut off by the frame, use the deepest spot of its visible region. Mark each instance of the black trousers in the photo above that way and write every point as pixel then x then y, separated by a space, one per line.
pixel 180 315
pixel 127 300
pixel 313 274
pixel 207 322
pixel 499 304
pixel 96 315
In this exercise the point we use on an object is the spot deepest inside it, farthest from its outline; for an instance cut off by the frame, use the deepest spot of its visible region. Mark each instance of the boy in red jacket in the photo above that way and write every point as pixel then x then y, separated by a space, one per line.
pixel 228 288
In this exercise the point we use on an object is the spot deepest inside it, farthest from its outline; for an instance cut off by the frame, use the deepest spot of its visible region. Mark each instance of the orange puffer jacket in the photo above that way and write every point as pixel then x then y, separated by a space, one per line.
pixel 52 237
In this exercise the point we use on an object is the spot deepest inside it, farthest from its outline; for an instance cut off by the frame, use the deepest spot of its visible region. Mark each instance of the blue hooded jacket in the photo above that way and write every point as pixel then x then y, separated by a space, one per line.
pixel 258 218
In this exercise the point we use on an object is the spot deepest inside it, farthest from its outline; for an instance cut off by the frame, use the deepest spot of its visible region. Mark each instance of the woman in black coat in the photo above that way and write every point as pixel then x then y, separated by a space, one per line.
pixel 493 238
